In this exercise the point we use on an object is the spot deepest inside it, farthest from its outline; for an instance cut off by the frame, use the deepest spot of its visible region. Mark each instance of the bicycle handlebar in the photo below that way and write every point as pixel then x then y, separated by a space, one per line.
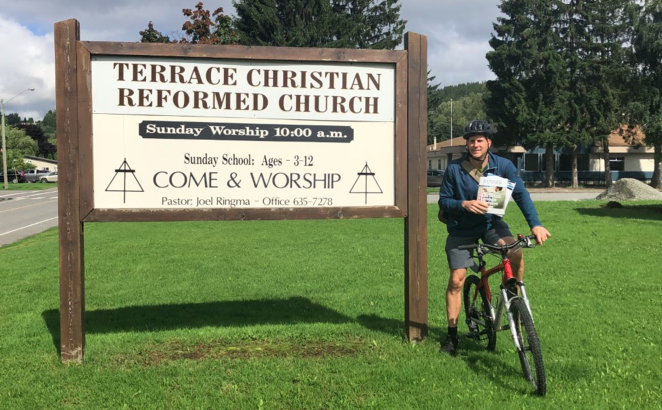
pixel 483 248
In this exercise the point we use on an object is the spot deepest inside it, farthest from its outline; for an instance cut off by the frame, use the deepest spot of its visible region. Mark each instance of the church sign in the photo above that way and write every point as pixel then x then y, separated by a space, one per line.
pixel 181 132
pixel 218 133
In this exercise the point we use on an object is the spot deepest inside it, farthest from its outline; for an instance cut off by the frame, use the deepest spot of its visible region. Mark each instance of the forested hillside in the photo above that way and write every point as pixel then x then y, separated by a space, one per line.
pixel 465 101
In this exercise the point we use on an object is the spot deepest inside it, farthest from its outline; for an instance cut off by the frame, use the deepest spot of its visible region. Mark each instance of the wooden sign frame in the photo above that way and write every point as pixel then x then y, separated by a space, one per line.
pixel 75 163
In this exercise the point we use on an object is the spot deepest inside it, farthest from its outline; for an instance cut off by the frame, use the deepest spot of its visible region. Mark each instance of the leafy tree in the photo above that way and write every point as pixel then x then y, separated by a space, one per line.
pixel 19 142
pixel 34 131
pixel 18 146
pixel 203 27
pixel 646 108
pixel 528 100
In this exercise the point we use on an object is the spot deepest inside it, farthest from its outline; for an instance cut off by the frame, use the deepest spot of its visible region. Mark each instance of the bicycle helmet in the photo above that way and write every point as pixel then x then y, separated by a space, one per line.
pixel 478 127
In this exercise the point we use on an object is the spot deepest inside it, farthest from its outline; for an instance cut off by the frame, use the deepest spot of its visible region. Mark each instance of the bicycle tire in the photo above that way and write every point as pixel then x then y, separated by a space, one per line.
pixel 480 310
pixel 531 353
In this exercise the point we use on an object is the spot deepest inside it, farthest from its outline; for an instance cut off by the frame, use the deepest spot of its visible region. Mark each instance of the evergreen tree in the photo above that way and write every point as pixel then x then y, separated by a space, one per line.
pixel 606 73
pixel 48 124
pixel 320 23
pixel 290 23
pixel 593 34
pixel 528 100
pixel 151 35
pixel 573 27
pixel 434 99
pixel 374 24
pixel 646 109
pixel 12 119
pixel 49 119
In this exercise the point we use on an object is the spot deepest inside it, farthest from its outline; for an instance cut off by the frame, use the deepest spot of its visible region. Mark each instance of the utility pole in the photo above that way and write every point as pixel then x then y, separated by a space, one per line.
pixel 451 122
pixel 4 141
pixel 4 145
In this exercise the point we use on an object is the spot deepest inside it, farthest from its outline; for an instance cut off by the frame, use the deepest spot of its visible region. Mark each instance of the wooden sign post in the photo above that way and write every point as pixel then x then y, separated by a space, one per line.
pixel 179 132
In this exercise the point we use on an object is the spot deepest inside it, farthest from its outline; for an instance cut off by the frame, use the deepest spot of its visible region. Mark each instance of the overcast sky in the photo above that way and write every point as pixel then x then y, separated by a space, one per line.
pixel 458 33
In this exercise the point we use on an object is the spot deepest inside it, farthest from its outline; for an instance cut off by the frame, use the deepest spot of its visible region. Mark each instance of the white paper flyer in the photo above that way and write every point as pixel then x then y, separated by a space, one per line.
pixel 496 192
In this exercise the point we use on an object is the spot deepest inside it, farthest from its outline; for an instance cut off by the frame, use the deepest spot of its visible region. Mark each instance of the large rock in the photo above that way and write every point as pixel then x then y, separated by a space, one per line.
pixel 628 189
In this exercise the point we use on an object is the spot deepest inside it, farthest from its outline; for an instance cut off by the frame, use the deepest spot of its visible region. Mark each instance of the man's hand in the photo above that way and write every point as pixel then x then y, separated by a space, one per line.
pixel 541 234
pixel 475 206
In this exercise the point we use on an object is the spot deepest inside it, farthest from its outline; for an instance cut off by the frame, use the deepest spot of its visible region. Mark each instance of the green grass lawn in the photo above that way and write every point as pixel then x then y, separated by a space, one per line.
pixel 309 315
pixel 34 186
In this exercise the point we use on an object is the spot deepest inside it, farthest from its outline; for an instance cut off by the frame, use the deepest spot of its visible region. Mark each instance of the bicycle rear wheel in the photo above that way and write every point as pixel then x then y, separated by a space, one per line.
pixel 477 311
pixel 530 354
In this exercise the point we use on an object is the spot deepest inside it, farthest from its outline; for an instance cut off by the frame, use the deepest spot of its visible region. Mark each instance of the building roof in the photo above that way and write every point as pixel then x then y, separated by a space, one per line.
pixel 620 137
pixel 626 137
pixel 457 141
pixel 50 161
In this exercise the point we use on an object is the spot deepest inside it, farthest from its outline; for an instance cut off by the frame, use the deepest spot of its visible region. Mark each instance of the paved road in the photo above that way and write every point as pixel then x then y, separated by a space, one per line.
pixel 547 196
pixel 25 213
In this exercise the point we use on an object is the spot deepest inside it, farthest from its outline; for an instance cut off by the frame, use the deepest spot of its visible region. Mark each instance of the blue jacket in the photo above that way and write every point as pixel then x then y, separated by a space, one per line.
pixel 458 186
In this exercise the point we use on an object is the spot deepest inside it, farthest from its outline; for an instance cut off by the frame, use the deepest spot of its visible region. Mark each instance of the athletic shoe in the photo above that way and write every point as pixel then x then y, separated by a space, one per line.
pixel 449 345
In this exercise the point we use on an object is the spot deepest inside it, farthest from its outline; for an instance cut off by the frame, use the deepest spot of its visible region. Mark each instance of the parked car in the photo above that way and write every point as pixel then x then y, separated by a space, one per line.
pixel 34 175
pixel 435 176
pixel 13 176
pixel 51 177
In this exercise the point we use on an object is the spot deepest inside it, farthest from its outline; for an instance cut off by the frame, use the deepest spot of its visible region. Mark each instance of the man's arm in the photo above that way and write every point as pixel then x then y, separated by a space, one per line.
pixel 525 204
pixel 447 201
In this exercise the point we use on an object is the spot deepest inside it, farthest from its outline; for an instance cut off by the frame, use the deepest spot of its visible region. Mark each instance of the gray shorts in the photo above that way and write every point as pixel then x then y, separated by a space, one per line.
pixel 461 258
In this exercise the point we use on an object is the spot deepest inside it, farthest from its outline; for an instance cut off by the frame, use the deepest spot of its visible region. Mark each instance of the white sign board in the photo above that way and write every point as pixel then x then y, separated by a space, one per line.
pixel 194 133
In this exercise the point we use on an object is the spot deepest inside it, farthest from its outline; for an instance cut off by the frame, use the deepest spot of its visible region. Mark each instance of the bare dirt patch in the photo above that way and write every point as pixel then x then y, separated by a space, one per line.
pixel 179 350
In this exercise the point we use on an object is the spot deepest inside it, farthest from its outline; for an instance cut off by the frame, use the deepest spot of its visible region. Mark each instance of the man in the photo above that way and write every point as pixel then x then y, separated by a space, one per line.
pixel 467 220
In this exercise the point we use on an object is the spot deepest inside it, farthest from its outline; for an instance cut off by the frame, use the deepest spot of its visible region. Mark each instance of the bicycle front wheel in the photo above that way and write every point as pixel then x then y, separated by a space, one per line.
pixel 478 312
pixel 530 354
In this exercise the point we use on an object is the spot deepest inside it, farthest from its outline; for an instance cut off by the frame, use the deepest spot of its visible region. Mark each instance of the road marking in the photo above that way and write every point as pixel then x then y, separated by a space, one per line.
pixel 24 194
pixel 27 226
pixel 27 206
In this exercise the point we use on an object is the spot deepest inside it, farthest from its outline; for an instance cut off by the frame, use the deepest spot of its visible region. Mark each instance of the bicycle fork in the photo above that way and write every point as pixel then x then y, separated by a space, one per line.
pixel 507 295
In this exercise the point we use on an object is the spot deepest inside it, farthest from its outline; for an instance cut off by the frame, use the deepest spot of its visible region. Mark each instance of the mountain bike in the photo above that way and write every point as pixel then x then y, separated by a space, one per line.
pixel 485 321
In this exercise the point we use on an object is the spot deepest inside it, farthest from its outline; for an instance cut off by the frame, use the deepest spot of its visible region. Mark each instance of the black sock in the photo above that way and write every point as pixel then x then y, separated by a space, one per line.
pixel 452 332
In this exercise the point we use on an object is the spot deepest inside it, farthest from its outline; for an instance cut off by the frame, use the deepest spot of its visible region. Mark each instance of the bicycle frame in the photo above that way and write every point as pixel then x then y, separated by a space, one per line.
pixel 484 316
pixel 508 293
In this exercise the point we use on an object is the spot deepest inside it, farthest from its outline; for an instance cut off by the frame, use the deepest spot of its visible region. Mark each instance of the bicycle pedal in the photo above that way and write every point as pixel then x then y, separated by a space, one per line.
pixel 474 335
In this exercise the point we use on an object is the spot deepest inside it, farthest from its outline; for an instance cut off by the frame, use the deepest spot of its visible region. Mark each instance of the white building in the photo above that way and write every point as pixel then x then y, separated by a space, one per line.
pixel 42 163
pixel 627 158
